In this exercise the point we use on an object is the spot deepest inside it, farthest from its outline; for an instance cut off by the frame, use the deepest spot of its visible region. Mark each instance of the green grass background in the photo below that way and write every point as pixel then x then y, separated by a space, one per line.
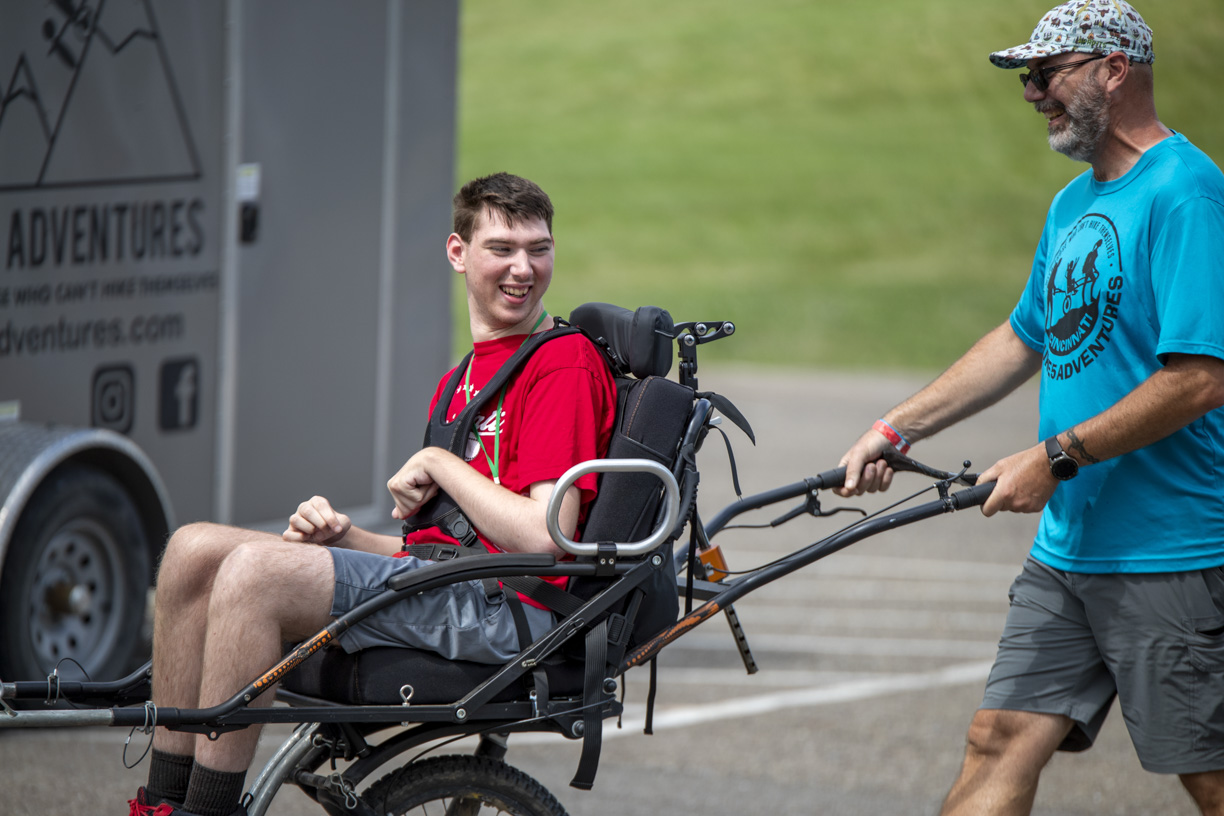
pixel 853 184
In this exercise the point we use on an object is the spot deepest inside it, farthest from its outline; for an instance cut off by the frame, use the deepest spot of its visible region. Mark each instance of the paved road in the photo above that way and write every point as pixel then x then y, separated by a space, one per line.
pixel 872 660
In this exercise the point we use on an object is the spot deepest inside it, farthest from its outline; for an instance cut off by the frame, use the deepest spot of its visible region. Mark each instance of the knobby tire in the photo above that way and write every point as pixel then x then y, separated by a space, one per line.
pixel 461 786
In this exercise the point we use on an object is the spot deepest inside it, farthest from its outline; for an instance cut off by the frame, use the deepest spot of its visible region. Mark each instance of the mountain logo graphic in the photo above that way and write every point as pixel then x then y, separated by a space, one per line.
pixel 89 99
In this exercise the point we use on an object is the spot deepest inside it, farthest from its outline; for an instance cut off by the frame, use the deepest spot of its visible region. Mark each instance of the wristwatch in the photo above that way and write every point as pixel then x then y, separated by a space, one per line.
pixel 1062 466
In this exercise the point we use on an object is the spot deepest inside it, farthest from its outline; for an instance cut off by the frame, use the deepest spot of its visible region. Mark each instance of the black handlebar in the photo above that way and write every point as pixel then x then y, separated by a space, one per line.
pixel 971 497
pixel 901 463
pixel 829 479
pixel 836 478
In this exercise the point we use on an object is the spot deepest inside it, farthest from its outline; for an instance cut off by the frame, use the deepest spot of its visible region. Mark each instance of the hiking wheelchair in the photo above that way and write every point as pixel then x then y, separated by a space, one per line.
pixel 359 715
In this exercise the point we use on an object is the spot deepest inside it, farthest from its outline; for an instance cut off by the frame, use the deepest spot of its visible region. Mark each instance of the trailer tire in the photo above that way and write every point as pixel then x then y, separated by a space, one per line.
pixel 76 579
pixel 464 785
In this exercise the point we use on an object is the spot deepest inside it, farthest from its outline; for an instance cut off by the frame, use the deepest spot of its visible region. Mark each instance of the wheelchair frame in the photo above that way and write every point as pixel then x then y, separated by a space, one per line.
pixel 328 732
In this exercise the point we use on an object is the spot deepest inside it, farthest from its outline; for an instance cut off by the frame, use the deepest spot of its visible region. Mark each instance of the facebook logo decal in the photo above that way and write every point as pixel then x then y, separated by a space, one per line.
pixel 179 394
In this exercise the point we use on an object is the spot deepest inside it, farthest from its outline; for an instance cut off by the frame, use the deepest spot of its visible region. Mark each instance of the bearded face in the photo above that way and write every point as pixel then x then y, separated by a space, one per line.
pixel 1077 128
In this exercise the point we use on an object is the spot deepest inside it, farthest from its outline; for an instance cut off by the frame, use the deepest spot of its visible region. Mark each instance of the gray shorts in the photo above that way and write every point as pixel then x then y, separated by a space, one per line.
pixel 457 621
pixel 1074 641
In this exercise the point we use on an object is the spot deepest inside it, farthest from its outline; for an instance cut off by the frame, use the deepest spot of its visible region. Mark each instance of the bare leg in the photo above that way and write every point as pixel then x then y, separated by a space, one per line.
pixel 1207 790
pixel 1003 760
pixel 185 580
pixel 265 593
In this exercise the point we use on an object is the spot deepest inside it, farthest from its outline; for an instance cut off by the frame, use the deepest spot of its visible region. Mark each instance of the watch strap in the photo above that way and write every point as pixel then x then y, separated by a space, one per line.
pixel 1053 447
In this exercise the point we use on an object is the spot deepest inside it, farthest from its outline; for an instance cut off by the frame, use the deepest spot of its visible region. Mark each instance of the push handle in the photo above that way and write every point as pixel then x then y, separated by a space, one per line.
pixel 671 506
pixel 971 497
pixel 830 478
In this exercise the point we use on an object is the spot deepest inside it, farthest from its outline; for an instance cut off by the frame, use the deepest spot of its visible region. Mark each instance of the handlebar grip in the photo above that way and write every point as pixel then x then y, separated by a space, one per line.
pixel 831 478
pixel 971 496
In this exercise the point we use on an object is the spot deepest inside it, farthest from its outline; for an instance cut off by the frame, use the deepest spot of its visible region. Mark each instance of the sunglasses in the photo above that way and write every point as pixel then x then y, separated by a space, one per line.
pixel 1041 77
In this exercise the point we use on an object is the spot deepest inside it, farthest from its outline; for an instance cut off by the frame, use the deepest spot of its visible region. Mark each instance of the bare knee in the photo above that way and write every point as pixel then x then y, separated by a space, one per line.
pixel 191 559
pixel 988 738
pixel 994 734
pixel 1207 790
pixel 247 574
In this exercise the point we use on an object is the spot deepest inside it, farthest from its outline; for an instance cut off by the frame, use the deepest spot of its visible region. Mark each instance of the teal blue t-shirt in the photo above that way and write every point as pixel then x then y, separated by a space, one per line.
pixel 1127 272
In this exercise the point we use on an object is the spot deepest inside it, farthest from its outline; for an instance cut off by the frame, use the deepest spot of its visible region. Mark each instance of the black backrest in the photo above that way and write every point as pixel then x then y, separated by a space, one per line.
pixel 652 416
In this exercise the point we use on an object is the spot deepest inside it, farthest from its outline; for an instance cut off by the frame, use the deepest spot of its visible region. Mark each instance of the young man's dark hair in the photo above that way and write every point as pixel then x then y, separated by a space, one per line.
pixel 514 198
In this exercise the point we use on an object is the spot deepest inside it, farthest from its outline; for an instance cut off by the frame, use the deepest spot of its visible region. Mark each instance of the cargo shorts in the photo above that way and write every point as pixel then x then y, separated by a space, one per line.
pixel 1074 641
pixel 458 621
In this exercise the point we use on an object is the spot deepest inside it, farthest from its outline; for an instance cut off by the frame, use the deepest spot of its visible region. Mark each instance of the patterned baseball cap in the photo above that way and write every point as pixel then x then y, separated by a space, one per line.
pixel 1087 26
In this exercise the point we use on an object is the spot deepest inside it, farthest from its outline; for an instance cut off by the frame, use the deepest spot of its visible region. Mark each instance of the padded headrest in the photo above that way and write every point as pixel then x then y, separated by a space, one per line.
pixel 640 341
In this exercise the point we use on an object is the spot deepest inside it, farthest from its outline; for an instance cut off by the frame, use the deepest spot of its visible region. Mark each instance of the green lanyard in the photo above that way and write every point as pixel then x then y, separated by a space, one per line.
pixel 501 398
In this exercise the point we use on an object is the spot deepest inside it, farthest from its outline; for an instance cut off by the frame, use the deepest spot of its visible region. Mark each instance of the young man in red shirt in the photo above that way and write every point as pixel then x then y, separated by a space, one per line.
pixel 227 599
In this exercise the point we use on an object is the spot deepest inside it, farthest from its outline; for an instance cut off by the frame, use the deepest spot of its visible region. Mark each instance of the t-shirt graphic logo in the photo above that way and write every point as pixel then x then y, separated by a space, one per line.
pixel 1082 296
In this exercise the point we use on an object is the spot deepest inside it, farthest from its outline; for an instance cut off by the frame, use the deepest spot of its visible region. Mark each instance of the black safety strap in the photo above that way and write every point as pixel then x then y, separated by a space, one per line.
pixel 437 552
pixel 520 621
pixel 728 409
pixel 691 570
pixel 592 701
pixel 735 483
pixel 445 552
pixel 441 511
pixel 544 593
pixel 539 677
pixel 455 523
pixel 605 646
pixel 453 435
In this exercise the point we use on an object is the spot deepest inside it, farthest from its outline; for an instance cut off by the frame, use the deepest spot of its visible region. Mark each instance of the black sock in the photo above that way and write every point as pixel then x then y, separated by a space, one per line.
pixel 169 775
pixel 214 793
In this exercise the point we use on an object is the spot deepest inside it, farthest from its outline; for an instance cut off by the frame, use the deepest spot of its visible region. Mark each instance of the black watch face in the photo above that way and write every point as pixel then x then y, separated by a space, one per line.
pixel 1064 467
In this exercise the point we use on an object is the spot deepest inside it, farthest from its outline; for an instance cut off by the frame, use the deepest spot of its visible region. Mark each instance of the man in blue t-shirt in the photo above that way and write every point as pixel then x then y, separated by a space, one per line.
pixel 1123 317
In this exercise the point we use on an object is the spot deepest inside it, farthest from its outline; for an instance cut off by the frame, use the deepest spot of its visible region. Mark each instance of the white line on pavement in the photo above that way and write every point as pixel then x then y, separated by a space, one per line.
pixel 857 645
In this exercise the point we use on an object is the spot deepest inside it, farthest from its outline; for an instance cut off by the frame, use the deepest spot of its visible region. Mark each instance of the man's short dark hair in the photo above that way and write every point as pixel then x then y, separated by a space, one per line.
pixel 511 197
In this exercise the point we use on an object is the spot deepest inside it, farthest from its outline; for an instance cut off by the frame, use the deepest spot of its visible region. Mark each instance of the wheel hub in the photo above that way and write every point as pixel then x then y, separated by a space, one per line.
pixel 66 597
pixel 72 602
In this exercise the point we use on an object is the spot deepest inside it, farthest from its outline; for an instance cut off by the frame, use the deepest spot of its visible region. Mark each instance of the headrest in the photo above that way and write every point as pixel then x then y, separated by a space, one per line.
pixel 640 341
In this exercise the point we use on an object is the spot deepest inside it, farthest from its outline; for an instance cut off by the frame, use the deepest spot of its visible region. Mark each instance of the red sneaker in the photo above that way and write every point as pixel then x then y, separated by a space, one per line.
pixel 141 806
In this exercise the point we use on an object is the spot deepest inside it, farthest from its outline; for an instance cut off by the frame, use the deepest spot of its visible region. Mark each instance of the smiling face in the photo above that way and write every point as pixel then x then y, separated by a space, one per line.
pixel 507 268
pixel 1075 105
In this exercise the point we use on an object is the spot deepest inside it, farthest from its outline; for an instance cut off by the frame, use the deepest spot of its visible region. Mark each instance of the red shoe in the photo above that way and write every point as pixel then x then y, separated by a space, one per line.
pixel 141 806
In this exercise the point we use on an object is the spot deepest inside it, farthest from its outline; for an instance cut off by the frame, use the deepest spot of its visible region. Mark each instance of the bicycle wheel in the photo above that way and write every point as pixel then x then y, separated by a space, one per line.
pixel 461 786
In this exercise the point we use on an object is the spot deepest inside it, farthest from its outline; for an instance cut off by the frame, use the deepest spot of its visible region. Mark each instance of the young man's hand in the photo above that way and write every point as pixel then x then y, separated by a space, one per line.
pixel 413 485
pixel 316 522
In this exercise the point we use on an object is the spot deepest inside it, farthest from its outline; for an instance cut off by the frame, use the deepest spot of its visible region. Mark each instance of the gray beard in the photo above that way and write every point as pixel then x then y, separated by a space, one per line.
pixel 1087 117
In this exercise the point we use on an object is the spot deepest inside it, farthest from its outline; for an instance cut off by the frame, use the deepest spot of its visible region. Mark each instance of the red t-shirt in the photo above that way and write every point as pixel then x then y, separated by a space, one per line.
pixel 558 410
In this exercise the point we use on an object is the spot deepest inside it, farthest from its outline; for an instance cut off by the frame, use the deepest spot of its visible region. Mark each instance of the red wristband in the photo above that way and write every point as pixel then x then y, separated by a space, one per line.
pixel 892 435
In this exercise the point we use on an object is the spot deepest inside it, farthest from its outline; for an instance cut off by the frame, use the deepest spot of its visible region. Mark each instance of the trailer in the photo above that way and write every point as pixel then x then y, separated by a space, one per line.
pixel 223 286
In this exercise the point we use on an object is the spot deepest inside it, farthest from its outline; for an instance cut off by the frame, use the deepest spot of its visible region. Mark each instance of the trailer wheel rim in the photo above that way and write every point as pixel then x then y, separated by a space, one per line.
pixel 75 595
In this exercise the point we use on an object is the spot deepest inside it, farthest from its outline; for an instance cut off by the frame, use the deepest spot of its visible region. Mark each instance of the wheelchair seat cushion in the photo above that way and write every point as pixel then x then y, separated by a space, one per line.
pixel 375 676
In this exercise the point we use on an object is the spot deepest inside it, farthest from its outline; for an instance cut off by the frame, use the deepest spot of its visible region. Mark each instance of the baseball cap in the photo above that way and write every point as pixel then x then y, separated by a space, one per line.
pixel 1087 26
